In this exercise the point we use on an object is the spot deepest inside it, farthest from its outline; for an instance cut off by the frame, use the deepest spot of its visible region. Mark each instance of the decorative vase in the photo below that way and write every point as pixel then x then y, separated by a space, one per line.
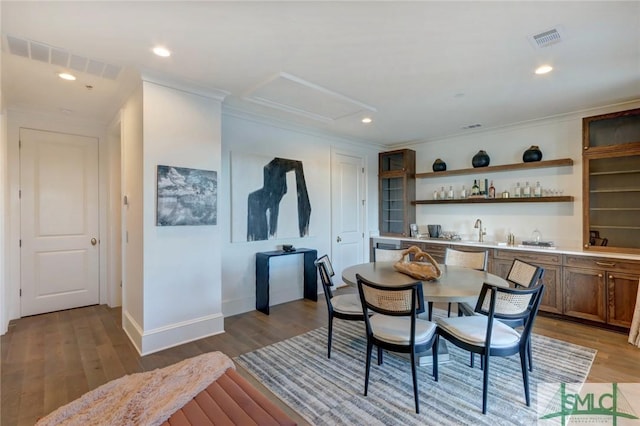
pixel 532 154
pixel 439 166
pixel 481 159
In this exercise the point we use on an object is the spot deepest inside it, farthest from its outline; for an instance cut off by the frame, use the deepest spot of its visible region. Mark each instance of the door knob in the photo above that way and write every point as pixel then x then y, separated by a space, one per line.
pixel 94 241
pixel 338 239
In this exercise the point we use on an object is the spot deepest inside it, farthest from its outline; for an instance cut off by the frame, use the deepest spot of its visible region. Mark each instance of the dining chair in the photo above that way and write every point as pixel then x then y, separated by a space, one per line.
pixel 343 306
pixel 489 335
pixel 387 255
pixel 521 274
pixel 394 325
pixel 468 259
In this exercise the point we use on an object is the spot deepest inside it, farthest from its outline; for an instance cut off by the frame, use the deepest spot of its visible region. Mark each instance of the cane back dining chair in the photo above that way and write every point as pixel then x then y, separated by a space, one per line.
pixel 488 334
pixel 468 259
pixel 394 325
pixel 521 274
pixel 344 306
pixel 387 255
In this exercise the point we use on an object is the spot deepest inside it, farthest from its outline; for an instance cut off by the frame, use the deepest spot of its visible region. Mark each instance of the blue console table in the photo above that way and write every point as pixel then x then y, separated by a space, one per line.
pixel 262 275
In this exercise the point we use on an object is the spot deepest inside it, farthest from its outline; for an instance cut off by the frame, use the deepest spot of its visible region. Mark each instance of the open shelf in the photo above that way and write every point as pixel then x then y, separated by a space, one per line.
pixel 559 199
pixel 502 168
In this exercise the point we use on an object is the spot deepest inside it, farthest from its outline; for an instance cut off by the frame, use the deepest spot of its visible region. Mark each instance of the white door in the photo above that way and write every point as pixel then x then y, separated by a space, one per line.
pixel 347 221
pixel 59 256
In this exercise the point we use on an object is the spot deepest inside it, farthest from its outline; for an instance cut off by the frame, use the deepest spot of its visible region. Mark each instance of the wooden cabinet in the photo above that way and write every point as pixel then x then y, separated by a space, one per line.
pixel 436 251
pixel 611 181
pixel 396 190
pixel 584 294
pixel 601 289
pixel 552 278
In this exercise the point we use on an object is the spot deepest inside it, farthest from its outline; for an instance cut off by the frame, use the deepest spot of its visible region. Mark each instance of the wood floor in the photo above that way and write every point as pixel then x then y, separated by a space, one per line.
pixel 51 359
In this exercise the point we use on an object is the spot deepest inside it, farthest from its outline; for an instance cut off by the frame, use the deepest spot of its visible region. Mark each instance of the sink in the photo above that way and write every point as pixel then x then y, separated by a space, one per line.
pixel 474 242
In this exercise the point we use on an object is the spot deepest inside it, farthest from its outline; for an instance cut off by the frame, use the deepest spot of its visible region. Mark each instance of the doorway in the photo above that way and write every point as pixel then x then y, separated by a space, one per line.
pixel 59 214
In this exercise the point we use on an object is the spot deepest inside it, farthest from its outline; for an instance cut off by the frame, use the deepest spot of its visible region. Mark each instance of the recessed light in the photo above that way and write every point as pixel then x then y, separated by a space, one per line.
pixel 367 120
pixel 66 76
pixel 162 51
pixel 543 69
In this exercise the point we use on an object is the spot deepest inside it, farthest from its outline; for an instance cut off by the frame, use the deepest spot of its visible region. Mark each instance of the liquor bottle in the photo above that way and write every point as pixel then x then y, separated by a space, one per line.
pixel 537 191
pixel 436 194
pixel 463 192
pixel 492 191
pixel 475 189
pixel 517 191
pixel 527 190
pixel 443 195
pixel 450 193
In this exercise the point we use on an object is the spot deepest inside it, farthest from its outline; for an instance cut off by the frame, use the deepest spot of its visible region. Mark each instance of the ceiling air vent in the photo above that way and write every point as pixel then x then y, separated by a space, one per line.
pixel 547 38
pixel 61 57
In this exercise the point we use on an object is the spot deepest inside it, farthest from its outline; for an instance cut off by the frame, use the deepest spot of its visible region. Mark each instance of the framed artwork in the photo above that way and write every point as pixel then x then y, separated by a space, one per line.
pixel 186 196
pixel 269 198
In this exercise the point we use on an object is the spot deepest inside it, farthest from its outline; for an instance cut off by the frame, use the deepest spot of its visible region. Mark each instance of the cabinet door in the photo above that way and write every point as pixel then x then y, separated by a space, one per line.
pixel 435 250
pixel 552 297
pixel 622 290
pixel 584 294
pixel 500 267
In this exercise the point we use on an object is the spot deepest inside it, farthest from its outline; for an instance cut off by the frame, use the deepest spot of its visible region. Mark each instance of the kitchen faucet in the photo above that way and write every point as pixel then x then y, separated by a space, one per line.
pixel 481 233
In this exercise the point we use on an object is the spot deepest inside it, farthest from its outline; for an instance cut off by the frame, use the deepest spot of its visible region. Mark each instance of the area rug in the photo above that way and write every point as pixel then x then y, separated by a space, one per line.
pixel 330 391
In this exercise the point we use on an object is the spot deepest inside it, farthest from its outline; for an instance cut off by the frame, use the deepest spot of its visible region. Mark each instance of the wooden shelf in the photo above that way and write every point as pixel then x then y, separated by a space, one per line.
pixel 502 168
pixel 559 199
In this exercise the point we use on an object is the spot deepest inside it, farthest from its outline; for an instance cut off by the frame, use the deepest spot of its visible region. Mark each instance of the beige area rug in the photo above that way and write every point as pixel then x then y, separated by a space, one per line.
pixel 330 391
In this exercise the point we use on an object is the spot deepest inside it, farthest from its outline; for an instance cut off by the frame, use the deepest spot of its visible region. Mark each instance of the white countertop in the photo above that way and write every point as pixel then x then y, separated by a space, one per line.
pixel 503 246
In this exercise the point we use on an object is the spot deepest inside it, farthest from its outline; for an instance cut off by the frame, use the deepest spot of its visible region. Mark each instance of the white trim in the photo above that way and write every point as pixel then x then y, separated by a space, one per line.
pixel 179 333
pixel 162 80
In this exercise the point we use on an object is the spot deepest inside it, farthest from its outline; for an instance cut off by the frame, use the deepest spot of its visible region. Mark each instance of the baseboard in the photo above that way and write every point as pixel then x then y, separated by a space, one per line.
pixel 150 341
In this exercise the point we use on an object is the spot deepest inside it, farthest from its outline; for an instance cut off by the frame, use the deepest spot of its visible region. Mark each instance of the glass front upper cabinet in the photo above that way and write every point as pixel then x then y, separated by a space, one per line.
pixel 611 181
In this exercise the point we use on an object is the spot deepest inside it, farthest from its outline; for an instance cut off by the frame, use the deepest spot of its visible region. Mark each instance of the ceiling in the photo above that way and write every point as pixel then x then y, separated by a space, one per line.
pixel 420 70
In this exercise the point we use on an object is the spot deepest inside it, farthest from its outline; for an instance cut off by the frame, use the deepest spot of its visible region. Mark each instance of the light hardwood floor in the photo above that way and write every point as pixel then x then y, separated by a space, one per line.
pixel 51 359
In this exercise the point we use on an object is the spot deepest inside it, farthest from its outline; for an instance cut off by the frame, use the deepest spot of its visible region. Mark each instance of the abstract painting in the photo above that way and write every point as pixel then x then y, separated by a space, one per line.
pixel 186 196
pixel 271 194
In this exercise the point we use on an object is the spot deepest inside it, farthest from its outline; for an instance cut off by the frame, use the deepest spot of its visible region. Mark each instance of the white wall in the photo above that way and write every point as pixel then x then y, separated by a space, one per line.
pixel 181 264
pixel 132 218
pixel 244 135
pixel 559 137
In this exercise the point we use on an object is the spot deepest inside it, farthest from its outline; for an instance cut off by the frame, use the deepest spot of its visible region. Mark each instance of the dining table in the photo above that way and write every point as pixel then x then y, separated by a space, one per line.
pixel 456 284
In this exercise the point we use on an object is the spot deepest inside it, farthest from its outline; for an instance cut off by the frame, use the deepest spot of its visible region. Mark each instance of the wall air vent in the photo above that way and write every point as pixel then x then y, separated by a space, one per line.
pixel 60 57
pixel 547 38
pixel 471 126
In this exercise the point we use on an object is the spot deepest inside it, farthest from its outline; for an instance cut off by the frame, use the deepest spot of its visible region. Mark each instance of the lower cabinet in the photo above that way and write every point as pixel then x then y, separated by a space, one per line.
pixel 436 251
pixel 601 289
pixel 584 294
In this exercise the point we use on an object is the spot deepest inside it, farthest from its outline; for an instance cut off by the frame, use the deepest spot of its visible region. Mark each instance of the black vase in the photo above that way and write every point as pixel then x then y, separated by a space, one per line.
pixel 532 154
pixel 481 159
pixel 439 166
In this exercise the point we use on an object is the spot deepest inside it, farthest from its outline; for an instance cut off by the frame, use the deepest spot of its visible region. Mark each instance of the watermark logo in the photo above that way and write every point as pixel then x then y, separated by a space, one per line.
pixel 589 403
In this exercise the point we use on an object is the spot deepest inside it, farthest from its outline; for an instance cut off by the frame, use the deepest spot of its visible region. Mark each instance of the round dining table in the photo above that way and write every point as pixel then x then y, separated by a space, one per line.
pixel 456 284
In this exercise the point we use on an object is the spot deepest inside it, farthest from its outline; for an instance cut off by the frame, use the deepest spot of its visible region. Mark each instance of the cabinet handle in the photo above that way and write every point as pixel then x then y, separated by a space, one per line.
pixel 599 275
pixel 605 264
pixel 610 277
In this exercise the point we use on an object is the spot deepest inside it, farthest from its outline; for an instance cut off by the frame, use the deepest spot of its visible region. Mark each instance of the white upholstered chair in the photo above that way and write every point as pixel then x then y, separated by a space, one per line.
pixel 387 255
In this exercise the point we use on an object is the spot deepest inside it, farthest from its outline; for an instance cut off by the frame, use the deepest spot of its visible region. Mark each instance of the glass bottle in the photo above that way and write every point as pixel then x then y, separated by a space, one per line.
pixel 450 193
pixel 443 195
pixel 463 192
pixel 537 191
pixel 527 190
pixel 517 191
pixel 475 189
pixel 436 194
pixel 492 191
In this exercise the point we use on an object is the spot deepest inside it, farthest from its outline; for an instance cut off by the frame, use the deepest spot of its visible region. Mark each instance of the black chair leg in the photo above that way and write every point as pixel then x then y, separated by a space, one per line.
pixel 525 375
pixel 449 310
pixel 368 368
pixel 434 351
pixel 329 338
pixel 430 304
pixel 485 382
pixel 530 354
pixel 380 360
pixel 415 380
